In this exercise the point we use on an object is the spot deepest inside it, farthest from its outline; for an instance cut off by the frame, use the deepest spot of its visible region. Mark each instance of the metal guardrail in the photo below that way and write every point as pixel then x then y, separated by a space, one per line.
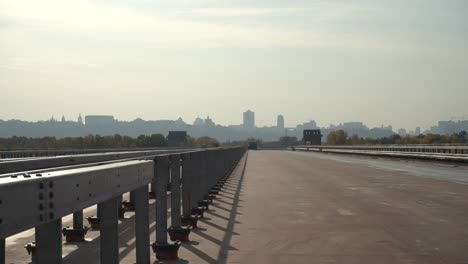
pixel 449 149
pixel 24 153
pixel 50 194
pixel 28 164
pixel 457 153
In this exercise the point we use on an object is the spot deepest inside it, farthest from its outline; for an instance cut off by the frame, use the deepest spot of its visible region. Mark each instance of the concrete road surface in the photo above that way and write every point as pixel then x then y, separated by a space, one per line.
pixel 300 207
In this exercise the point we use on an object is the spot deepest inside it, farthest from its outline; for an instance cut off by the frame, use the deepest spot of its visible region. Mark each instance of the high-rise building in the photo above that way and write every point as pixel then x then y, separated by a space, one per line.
pixel 249 119
pixel 280 121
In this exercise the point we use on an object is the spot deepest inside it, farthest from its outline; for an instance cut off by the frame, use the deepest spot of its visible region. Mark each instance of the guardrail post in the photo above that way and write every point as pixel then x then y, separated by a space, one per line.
pixel 152 194
pixel 78 219
pixel 49 243
pixel 176 232
pixel 108 215
pixel 163 250
pixel 2 251
pixel 188 174
pixel 198 182
pixel 142 232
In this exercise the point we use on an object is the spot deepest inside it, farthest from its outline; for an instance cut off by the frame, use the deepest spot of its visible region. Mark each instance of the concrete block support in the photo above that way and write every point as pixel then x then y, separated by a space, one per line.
pixel 48 243
pixel 108 215
pixel 142 231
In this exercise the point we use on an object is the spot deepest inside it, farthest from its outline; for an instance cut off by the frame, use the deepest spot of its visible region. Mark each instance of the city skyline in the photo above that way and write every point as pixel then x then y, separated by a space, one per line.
pixel 280 119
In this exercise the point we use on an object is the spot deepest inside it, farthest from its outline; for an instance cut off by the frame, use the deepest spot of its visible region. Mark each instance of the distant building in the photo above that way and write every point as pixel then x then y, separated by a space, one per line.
pixel 249 119
pixel 417 131
pixel 354 125
pixel 99 120
pixel 312 137
pixel 209 121
pixel 177 139
pixel 198 122
pixel 310 125
pixel 80 120
pixel 402 132
pixel 280 121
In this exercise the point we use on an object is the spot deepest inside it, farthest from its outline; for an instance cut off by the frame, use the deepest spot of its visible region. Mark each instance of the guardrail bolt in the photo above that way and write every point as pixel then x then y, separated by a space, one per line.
pixel 178 233
pixel 94 222
pixel 198 211
pixel 129 206
pixel 190 221
pixel 74 235
pixel 204 204
pixel 209 197
pixel 121 212
pixel 166 251
pixel 31 249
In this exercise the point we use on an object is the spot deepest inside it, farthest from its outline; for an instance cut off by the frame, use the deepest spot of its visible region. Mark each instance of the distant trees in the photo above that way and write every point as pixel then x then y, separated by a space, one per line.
pixel 340 137
pixel 90 141
pixel 155 140
pixel 286 141
pixel 206 142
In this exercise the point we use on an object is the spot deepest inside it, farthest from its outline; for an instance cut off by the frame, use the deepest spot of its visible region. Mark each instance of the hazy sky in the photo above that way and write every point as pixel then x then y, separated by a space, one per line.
pixel 398 62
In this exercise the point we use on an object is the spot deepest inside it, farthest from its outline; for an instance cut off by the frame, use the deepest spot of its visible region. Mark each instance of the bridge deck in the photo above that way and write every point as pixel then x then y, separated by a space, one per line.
pixel 296 207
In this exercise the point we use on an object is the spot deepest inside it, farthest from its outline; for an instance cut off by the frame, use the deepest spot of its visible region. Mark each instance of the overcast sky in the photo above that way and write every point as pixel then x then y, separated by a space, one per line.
pixel 398 62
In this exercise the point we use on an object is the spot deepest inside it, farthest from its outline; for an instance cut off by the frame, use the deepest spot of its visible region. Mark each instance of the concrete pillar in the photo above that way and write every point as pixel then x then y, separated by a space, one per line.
pixel 49 242
pixel 109 225
pixel 142 231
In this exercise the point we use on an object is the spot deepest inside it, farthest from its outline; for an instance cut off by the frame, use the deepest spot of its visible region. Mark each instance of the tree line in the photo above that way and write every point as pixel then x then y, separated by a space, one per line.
pixel 97 142
pixel 340 137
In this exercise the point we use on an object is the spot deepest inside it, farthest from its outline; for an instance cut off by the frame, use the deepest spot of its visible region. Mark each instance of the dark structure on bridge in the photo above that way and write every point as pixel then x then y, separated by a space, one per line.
pixel 177 138
pixel 312 137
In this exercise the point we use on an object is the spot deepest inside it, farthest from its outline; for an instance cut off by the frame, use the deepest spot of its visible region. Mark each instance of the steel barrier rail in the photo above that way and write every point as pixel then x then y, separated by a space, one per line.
pixel 48 162
pixel 24 153
pixel 448 149
pixel 50 195
pixel 47 197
